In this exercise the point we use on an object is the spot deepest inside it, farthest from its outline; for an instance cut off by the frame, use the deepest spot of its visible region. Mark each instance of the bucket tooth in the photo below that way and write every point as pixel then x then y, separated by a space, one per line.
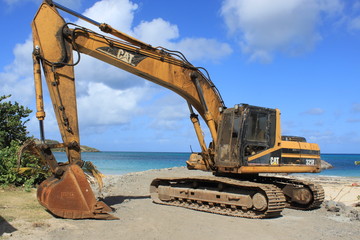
pixel 71 196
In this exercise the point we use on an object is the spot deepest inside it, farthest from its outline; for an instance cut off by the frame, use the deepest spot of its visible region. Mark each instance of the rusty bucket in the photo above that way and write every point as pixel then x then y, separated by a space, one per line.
pixel 70 196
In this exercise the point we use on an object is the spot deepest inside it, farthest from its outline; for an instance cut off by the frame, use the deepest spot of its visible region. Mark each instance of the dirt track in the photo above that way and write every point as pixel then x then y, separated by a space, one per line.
pixel 142 219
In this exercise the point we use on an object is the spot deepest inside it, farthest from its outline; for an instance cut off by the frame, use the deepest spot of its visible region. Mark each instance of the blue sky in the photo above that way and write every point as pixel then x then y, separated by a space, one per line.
pixel 301 56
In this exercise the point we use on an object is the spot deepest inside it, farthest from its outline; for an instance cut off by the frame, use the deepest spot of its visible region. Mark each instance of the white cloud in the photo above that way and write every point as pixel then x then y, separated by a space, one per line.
pixel 17 76
pixel 353 120
pixel 331 138
pixel 356 107
pixel 158 32
pixel 265 27
pixel 106 106
pixel 314 111
pixel 168 112
pixel 203 48
pixel 117 13
pixel 354 24
pixel 351 16
pixel 320 136
pixel 92 70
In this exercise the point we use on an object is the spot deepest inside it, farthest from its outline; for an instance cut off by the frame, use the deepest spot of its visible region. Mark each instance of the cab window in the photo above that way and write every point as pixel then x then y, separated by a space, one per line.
pixel 257 127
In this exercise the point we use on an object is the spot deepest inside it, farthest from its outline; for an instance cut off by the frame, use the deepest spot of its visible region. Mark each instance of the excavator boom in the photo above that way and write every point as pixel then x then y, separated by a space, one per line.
pixel 54 43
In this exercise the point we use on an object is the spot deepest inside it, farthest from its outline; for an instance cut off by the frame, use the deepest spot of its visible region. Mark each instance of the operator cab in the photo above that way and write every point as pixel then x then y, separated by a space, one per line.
pixel 244 131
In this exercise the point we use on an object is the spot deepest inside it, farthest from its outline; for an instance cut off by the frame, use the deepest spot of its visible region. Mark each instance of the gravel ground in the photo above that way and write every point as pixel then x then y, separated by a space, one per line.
pixel 129 196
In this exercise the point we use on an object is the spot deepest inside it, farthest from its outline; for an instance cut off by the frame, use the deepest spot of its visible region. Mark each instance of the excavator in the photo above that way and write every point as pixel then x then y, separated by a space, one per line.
pixel 247 153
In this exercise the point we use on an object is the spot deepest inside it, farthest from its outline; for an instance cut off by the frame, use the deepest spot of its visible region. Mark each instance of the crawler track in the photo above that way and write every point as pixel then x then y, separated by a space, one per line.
pixel 220 195
pixel 316 190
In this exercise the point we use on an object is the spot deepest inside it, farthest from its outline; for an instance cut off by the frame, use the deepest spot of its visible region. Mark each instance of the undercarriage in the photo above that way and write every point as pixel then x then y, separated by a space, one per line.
pixel 262 197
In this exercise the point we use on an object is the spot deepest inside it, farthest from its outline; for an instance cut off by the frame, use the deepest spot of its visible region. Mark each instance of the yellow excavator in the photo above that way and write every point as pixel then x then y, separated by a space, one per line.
pixel 246 140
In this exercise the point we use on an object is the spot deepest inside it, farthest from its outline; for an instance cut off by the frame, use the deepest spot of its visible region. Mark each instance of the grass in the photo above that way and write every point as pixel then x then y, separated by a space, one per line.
pixel 16 203
pixel 18 207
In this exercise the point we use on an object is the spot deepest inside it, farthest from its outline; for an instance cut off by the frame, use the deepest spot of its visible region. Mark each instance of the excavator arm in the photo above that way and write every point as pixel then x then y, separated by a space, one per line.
pixel 54 43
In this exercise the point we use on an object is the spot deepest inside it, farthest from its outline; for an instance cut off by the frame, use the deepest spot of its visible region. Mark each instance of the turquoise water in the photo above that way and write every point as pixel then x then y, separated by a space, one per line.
pixel 344 165
pixel 116 163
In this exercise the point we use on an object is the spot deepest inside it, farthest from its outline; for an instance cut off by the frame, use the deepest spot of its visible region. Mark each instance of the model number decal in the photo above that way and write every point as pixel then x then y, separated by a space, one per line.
pixel 310 162
pixel 274 160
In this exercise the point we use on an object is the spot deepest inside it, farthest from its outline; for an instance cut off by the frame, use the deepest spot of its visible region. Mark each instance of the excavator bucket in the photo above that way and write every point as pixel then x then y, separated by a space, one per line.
pixel 70 196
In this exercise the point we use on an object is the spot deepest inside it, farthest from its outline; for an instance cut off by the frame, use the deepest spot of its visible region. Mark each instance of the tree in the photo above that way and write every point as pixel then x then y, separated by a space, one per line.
pixel 29 171
pixel 12 125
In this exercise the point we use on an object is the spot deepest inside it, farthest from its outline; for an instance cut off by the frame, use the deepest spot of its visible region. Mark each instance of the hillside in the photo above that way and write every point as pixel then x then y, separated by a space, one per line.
pixel 82 147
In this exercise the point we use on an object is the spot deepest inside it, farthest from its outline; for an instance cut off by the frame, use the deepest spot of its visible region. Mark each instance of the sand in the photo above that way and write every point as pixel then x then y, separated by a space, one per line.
pixel 141 219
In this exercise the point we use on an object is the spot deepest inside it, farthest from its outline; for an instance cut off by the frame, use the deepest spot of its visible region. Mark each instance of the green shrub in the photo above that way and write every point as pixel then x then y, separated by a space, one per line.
pixel 12 122
pixel 30 173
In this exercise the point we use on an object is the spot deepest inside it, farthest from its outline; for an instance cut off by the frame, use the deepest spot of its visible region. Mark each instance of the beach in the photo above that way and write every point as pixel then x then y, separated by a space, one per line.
pixel 140 218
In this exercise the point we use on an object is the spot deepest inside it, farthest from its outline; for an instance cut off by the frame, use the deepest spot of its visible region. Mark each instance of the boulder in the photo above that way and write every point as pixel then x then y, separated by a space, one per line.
pixel 325 165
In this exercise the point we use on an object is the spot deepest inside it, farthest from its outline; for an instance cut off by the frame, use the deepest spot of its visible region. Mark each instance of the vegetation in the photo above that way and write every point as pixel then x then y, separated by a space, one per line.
pixel 13 133
pixel 12 125
pixel 28 173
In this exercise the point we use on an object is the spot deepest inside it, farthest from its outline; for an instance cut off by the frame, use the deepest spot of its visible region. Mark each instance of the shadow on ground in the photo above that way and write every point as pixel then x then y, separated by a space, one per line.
pixel 5 227
pixel 113 200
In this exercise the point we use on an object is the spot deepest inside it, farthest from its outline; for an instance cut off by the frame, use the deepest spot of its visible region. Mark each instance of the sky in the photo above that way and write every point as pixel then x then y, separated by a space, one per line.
pixel 300 56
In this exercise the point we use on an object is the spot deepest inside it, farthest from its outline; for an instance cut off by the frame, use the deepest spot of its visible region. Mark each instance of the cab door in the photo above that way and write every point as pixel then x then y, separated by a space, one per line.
pixel 259 131
pixel 228 146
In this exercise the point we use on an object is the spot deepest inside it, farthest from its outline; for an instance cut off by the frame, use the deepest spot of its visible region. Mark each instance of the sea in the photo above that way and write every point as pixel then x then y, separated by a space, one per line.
pixel 119 163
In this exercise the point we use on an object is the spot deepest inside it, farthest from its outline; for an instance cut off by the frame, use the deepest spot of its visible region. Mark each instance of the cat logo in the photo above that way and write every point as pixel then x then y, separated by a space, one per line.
pixel 274 160
pixel 125 56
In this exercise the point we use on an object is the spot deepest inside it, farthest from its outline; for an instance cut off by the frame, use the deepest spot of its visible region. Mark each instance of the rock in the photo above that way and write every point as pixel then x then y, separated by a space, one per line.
pixel 354 215
pixel 342 206
pixel 342 210
pixel 325 165
pixel 331 206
